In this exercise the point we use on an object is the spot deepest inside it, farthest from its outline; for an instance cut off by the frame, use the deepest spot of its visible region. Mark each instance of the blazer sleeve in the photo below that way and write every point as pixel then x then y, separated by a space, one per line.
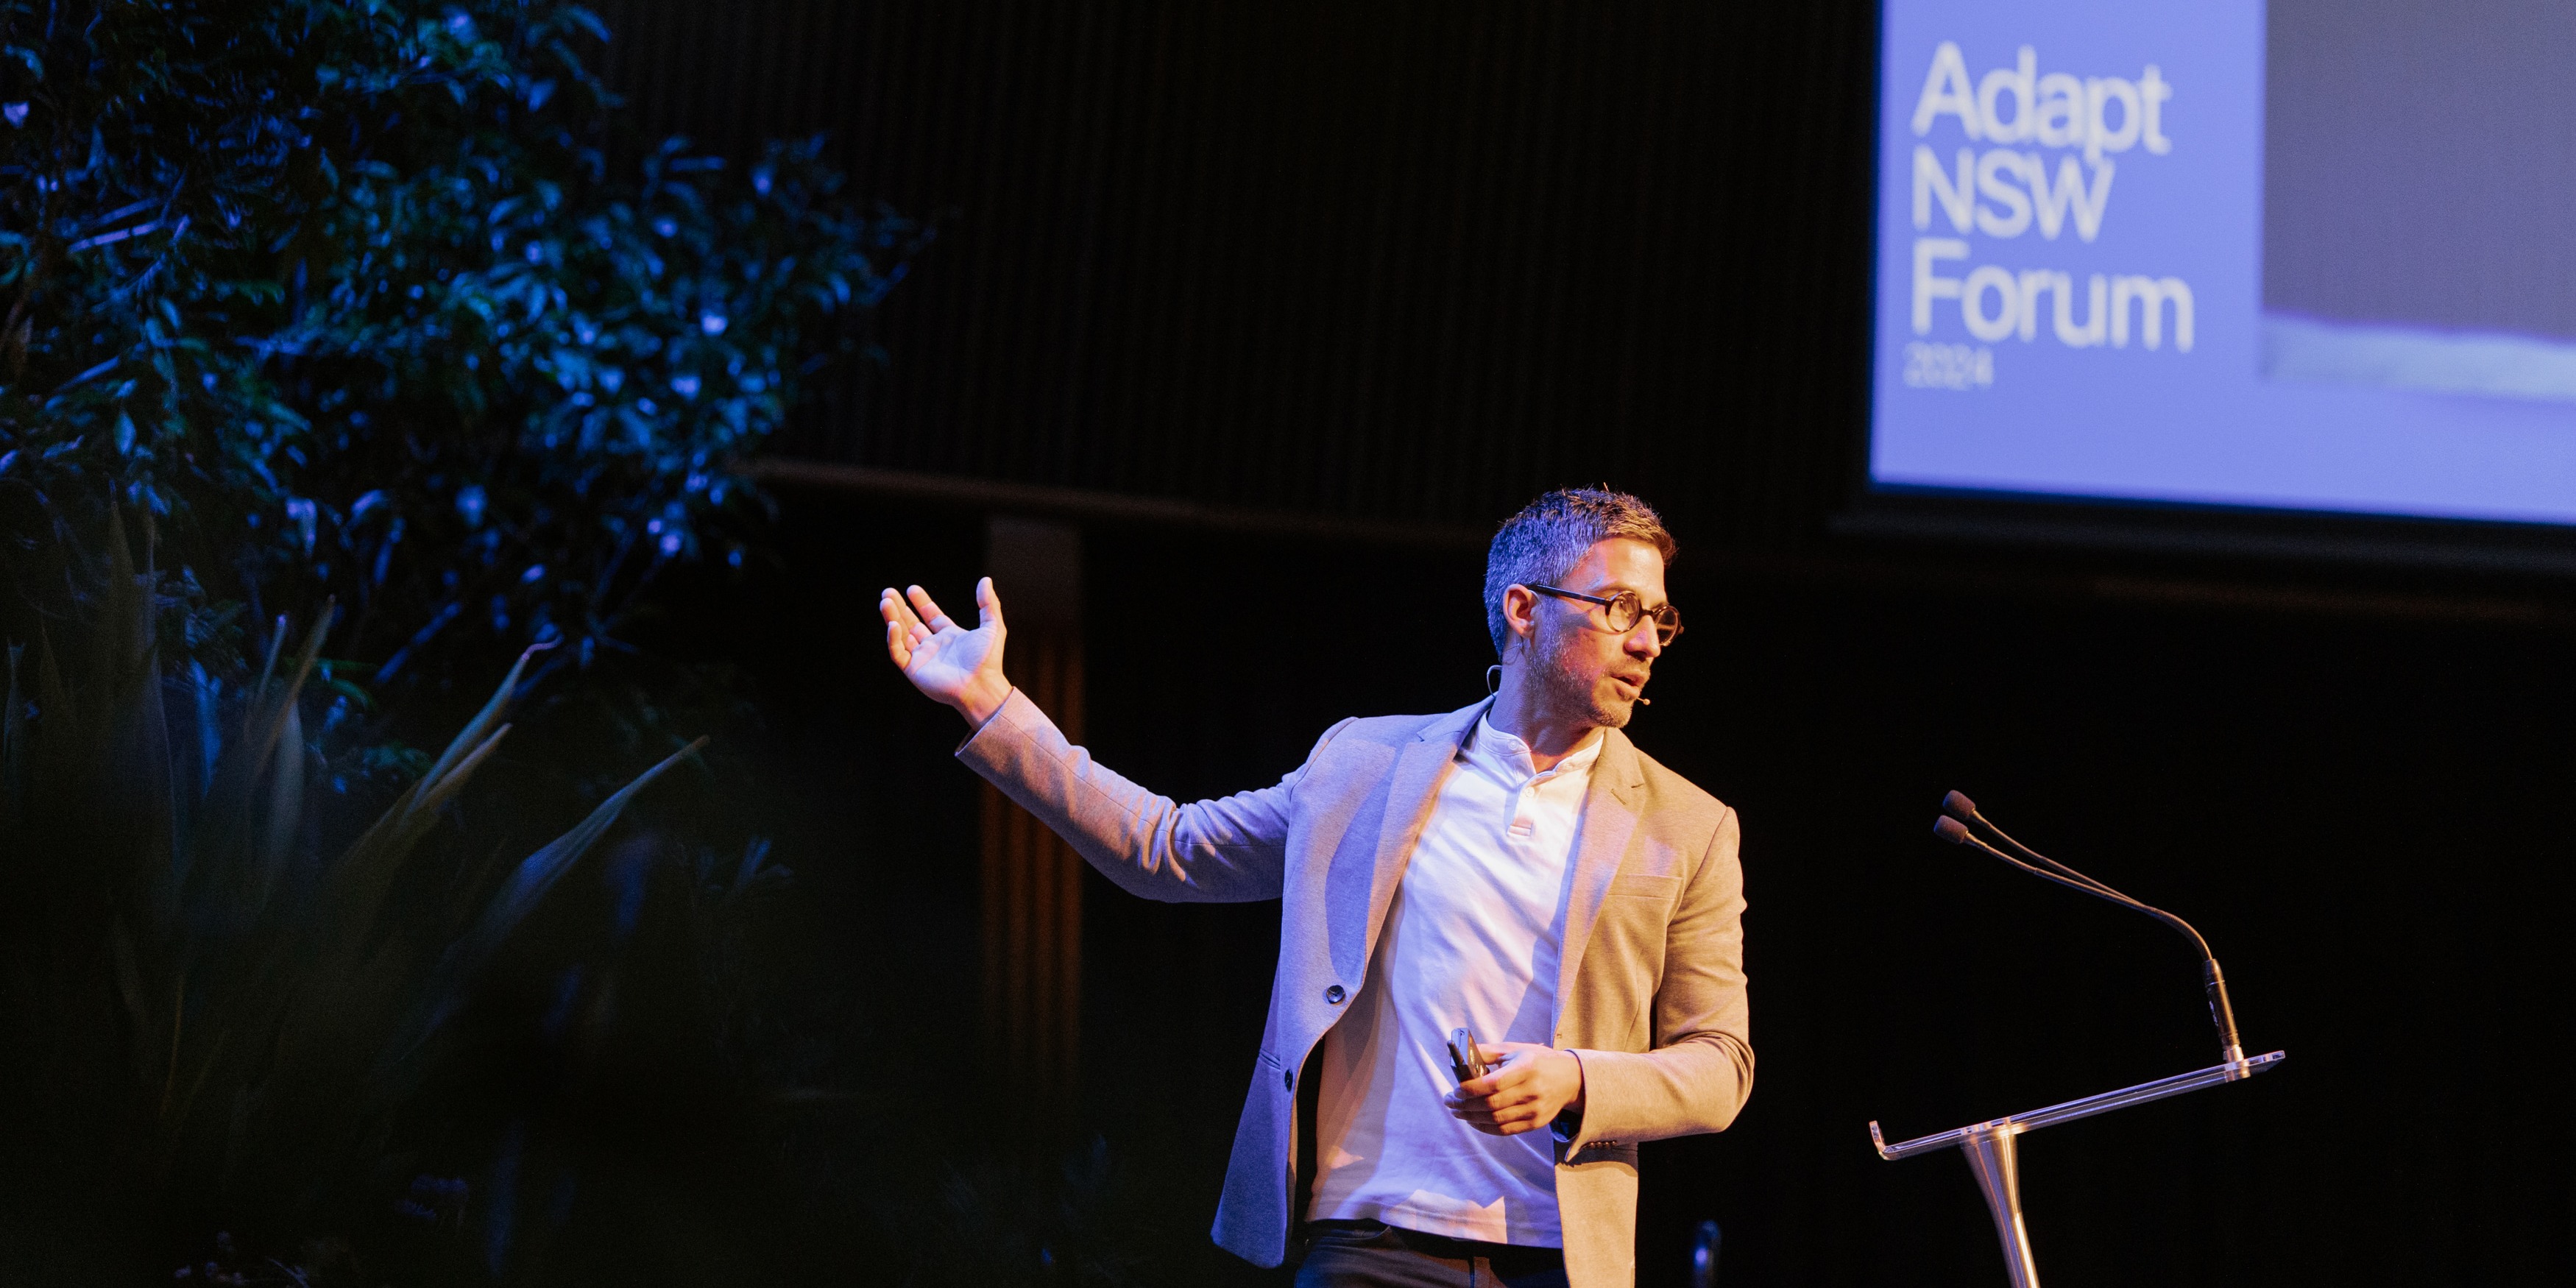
pixel 1230 850
pixel 1701 1068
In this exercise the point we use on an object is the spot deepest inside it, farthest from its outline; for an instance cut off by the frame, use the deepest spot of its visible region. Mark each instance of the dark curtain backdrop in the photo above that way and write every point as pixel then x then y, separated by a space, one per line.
pixel 1412 262
pixel 1417 262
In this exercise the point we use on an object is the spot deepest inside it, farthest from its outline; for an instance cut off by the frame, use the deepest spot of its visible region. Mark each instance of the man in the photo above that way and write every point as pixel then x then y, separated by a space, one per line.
pixel 1516 868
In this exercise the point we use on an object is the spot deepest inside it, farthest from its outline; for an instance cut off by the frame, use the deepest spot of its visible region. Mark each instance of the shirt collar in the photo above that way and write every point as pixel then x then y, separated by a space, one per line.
pixel 1507 751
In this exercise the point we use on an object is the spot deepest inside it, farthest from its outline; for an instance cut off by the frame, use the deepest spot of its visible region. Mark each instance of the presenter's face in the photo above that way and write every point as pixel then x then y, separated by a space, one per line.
pixel 1592 674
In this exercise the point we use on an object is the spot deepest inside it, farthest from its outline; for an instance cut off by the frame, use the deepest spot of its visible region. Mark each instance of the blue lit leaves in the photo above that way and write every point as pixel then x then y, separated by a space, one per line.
pixel 303 519
pixel 360 270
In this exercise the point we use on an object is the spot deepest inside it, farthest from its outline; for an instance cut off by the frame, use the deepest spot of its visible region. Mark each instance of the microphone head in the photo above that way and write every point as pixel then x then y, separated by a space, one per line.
pixel 1958 806
pixel 1950 829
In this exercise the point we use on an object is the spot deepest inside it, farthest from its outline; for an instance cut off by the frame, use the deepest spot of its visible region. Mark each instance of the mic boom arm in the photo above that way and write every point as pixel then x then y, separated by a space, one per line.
pixel 1953 827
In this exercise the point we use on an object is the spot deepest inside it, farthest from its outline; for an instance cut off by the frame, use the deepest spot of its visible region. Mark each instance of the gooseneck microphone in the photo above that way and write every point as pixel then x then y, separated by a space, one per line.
pixel 1958 813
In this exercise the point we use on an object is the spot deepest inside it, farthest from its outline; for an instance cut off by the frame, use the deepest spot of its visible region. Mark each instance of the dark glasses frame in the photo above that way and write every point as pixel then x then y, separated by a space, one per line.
pixel 1667 619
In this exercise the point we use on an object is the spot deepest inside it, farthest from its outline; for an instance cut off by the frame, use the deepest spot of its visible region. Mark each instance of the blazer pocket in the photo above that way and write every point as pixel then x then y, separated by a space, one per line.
pixel 1645 887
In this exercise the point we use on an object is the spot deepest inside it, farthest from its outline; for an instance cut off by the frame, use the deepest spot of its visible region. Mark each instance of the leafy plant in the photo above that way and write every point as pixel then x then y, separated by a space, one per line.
pixel 370 299
pixel 229 1012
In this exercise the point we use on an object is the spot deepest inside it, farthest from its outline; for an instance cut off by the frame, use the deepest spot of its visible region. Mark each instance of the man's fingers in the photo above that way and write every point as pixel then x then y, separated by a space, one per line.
pixel 1502 1101
pixel 914 608
pixel 1518 1120
pixel 988 604
pixel 1503 1079
pixel 891 607
pixel 901 625
pixel 898 646
pixel 929 610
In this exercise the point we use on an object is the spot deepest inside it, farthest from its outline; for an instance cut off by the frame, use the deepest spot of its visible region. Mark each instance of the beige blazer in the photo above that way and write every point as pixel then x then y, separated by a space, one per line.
pixel 1651 998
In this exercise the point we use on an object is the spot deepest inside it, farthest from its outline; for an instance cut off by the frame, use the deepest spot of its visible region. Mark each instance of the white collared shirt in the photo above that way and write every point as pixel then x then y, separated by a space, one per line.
pixel 1473 939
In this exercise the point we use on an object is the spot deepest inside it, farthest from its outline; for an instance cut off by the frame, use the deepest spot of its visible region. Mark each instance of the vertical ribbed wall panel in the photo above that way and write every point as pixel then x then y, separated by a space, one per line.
pixel 1407 262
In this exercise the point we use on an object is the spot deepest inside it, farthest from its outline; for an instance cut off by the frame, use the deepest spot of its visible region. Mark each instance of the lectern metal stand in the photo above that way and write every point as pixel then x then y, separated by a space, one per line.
pixel 1990 1147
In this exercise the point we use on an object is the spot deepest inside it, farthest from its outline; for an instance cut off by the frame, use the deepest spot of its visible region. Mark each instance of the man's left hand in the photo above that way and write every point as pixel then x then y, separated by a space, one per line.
pixel 1533 1085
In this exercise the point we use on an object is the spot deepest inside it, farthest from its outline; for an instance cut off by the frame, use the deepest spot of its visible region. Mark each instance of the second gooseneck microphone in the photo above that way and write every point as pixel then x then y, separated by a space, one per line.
pixel 1958 813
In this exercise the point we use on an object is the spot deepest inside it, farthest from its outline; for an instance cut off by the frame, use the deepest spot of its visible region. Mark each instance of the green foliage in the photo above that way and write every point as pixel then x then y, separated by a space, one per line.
pixel 367 299
pixel 224 1010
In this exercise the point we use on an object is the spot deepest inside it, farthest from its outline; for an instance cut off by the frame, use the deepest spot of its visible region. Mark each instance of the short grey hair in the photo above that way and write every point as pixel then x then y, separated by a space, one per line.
pixel 1543 542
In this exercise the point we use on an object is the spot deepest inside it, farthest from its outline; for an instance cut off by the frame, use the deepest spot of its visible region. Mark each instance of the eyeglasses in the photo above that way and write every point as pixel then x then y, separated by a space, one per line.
pixel 1622 612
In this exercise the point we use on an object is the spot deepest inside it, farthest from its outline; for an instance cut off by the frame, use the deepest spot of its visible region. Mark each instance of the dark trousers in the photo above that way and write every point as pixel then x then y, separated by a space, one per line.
pixel 1373 1254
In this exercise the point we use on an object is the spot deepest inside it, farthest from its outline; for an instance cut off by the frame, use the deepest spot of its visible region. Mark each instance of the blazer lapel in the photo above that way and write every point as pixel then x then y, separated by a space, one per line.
pixel 1419 770
pixel 1609 818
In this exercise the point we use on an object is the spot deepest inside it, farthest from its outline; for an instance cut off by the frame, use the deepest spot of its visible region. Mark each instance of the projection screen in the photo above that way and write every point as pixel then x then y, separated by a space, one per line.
pixel 2308 256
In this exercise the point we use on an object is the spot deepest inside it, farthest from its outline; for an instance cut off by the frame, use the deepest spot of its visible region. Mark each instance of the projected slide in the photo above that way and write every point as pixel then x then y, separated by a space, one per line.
pixel 2319 254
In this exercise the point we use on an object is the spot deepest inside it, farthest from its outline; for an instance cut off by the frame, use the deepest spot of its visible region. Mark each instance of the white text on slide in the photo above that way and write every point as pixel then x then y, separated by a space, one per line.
pixel 2005 192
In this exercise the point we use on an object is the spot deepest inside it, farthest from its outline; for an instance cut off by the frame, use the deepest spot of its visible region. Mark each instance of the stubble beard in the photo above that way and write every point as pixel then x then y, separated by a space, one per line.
pixel 1590 697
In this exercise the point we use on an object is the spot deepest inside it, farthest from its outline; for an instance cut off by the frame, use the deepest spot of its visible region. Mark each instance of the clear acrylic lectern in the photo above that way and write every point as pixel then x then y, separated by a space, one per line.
pixel 1989 1147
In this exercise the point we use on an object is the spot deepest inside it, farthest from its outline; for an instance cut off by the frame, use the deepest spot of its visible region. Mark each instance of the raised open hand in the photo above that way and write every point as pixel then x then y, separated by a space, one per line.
pixel 954 665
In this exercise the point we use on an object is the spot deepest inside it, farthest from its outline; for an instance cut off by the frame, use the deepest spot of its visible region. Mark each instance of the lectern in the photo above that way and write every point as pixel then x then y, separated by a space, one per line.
pixel 1990 1145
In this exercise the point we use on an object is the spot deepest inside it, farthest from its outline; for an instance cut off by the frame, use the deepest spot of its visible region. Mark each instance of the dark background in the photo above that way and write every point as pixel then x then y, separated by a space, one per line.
pixel 1407 266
